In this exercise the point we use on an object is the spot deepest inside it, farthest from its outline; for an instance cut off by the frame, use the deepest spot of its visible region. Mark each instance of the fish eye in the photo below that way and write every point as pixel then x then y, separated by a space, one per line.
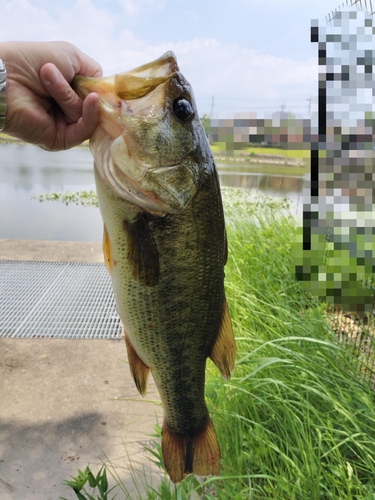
pixel 182 108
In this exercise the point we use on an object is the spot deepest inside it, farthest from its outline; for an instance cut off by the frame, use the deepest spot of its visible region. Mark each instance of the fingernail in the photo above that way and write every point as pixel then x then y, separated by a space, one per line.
pixel 51 77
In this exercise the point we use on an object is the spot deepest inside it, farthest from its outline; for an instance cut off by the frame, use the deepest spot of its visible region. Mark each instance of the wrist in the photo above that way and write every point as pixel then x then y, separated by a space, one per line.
pixel 3 97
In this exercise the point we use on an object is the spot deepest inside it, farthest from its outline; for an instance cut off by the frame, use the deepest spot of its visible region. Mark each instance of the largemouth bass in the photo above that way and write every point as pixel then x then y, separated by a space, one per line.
pixel 165 248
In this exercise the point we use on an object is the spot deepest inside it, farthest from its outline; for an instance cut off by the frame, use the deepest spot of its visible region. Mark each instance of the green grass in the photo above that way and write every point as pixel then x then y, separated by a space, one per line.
pixel 271 168
pixel 294 422
pixel 288 153
pixel 341 272
pixel 7 139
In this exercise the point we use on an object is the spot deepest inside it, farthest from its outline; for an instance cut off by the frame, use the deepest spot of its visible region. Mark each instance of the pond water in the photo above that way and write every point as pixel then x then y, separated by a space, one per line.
pixel 26 171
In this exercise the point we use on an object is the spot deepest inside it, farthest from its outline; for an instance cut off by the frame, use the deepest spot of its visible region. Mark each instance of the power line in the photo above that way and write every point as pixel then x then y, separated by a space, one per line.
pixel 310 99
pixel 276 99
pixel 353 3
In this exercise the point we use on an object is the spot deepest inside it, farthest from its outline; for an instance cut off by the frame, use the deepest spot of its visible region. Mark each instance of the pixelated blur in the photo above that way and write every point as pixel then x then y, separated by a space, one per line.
pixel 335 247
pixel 290 132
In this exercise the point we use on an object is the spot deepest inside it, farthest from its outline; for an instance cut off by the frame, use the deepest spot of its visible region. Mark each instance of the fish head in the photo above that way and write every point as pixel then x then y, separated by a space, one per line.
pixel 150 147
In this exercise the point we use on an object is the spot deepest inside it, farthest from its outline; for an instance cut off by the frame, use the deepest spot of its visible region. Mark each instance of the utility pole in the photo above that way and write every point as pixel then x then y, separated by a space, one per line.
pixel 316 145
pixel 310 99
pixel 212 106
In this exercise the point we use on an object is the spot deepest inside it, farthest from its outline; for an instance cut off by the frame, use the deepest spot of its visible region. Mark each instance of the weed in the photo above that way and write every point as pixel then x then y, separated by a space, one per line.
pixel 100 482
pixel 295 422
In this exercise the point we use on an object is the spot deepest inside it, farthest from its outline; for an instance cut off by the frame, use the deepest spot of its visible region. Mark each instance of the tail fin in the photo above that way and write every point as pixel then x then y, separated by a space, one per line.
pixel 184 455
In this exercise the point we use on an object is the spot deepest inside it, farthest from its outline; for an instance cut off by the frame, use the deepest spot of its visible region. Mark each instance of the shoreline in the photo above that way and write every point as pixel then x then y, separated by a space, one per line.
pixel 243 159
pixel 260 158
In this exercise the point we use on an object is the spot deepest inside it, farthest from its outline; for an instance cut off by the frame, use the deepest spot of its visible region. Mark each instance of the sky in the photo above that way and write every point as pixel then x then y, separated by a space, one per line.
pixel 240 56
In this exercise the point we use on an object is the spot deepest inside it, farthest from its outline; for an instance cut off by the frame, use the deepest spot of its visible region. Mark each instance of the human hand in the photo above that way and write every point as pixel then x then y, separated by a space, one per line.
pixel 42 108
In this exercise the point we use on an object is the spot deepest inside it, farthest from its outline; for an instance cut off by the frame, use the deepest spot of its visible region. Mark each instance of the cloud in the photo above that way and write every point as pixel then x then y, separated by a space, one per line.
pixel 91 28
pixel 23 21
pixel 234 72
pixel 210 65
pixel 134 8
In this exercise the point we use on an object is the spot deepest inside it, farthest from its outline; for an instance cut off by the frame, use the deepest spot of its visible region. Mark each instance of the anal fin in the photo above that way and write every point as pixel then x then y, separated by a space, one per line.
pixel 223 353
pixel 184 455
pixel 138 369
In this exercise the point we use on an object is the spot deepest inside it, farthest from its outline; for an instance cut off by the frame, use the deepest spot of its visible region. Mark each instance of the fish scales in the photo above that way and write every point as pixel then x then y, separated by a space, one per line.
pixel 165 248
pixel 180 316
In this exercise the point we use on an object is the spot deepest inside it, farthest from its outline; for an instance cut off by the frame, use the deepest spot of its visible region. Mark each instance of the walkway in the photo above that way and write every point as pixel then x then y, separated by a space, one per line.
pixel 67 403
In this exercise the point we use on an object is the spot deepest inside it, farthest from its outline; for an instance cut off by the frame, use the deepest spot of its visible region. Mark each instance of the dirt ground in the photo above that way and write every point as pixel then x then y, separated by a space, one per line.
pixel 65 404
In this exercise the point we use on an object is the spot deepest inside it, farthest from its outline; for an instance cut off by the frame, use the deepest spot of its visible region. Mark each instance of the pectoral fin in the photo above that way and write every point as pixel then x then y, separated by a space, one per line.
pixel 138 369
pixel 223 353
pixel 107 251
pixel 142 251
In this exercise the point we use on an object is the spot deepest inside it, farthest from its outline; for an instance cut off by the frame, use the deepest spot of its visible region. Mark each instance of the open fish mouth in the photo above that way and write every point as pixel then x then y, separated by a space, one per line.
pixel 116 91
pixel 142 80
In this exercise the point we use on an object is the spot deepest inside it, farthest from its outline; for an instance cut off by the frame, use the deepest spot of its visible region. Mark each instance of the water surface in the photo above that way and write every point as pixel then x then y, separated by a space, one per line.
pixel 26 171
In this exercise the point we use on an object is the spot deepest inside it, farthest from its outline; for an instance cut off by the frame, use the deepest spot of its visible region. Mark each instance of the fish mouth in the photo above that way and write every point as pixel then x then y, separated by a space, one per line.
pixel 137 83
pixel 131 84
pixel 114 91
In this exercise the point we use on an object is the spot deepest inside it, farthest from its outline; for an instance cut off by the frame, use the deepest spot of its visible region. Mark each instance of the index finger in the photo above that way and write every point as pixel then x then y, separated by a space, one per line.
pixel 59 89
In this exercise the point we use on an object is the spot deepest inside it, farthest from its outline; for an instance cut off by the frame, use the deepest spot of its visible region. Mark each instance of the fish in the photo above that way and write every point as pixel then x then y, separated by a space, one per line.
pixel 165 248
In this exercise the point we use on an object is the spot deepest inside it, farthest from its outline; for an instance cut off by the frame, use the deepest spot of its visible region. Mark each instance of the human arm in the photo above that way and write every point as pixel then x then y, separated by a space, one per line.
pixel 42 108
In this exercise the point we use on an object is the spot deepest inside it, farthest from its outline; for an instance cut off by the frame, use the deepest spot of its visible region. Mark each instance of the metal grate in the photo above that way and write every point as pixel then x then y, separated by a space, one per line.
pixel 57 300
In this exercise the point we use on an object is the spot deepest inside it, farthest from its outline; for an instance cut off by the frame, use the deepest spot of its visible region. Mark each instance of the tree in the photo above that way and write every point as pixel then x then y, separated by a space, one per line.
pixel 206 122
